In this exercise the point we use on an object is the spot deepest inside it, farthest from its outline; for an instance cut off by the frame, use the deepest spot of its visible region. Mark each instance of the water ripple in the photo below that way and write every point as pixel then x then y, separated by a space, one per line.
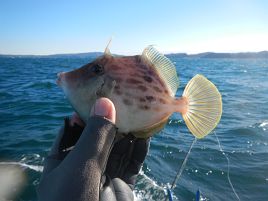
pixel 32 109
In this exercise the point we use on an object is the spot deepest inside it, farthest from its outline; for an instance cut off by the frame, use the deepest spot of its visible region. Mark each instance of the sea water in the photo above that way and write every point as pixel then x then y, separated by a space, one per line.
pixel 32 108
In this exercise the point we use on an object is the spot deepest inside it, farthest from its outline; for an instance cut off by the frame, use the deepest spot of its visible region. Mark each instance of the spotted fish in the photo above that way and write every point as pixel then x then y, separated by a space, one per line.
pixel 143 89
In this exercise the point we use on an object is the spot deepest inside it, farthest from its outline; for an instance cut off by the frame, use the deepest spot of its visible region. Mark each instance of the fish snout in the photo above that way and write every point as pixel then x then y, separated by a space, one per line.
pixel 60 79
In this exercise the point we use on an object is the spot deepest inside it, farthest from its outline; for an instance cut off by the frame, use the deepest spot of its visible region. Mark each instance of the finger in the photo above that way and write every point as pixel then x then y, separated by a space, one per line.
pixel 104 107
pixel 86 163
pixel 78 176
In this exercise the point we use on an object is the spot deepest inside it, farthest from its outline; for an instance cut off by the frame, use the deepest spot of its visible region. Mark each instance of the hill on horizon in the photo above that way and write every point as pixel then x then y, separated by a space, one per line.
pixel 240 55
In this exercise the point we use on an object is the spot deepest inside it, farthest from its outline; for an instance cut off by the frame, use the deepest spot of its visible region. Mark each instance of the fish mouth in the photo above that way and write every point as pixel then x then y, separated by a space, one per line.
pixel 59 78
pixel 58 82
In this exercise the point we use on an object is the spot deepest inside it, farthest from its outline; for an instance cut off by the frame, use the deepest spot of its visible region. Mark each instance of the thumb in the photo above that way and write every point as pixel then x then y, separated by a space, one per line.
pixel 104 107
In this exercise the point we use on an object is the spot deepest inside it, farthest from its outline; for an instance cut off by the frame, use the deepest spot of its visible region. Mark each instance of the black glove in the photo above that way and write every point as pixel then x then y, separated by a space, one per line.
pixel 76 167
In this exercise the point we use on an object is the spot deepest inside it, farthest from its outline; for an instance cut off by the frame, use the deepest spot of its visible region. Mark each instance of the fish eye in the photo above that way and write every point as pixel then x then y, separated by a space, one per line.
pixel 97 69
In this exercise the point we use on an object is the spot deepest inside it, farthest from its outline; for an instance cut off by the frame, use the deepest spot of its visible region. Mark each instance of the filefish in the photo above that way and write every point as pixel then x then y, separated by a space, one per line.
pixel 142 88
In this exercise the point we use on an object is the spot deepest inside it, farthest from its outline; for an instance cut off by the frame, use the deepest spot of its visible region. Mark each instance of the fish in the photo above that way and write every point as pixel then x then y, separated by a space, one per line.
pixel 143 89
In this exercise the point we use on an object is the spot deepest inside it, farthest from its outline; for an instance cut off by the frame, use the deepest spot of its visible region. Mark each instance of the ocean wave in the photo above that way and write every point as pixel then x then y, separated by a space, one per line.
pixel 264 125
pixel 41 84
pixel 148 189
pixel 32 107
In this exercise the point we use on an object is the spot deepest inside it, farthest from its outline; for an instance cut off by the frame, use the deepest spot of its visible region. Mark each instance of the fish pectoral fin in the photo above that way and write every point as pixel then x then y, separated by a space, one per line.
pixel 106 88
pixel 204 107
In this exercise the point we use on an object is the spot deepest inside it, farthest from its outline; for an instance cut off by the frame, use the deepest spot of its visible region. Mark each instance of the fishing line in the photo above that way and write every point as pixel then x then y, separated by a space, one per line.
pixel 180 170
pixel 228 166
pixel 182 167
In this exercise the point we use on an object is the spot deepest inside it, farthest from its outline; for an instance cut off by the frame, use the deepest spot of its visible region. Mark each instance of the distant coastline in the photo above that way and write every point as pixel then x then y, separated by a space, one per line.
pixel 78 55
pixel 213 55
pixel 206 55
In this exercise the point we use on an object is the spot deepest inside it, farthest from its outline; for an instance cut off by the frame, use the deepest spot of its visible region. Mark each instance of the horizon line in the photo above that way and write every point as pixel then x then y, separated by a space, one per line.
pixel 165 53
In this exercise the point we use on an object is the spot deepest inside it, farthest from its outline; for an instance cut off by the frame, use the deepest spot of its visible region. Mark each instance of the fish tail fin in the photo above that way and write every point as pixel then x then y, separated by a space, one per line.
pixel 204 106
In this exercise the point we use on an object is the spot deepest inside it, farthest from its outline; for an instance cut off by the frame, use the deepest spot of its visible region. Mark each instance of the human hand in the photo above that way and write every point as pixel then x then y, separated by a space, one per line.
pixel 126 157
pixel 74 173
pixel 124 162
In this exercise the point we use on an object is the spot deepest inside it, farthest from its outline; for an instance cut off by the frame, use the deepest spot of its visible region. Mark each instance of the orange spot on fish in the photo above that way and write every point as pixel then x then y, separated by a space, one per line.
pixel 150 98
pixel 161 100
pixel 142 88
pixel 157 89
pixel 127 102
pixel 133 81
pixel 142 100
pixel 147 78
pixel 144 107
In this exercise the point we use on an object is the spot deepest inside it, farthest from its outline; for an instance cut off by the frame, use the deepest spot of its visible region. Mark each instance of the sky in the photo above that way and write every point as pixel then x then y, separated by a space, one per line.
pixel 76 26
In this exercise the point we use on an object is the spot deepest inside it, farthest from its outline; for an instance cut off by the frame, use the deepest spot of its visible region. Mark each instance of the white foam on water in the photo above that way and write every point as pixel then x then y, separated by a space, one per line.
pixel 37 168
pixel 151 190
pixel 264 124
pixel 151 181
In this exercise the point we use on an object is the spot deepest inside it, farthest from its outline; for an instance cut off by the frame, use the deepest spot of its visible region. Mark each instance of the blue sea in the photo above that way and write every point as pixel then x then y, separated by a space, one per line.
pixel 32 109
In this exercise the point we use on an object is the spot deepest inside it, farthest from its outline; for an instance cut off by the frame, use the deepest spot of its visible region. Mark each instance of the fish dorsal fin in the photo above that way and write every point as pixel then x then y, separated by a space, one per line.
pixel 107 51
pixel 163 66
